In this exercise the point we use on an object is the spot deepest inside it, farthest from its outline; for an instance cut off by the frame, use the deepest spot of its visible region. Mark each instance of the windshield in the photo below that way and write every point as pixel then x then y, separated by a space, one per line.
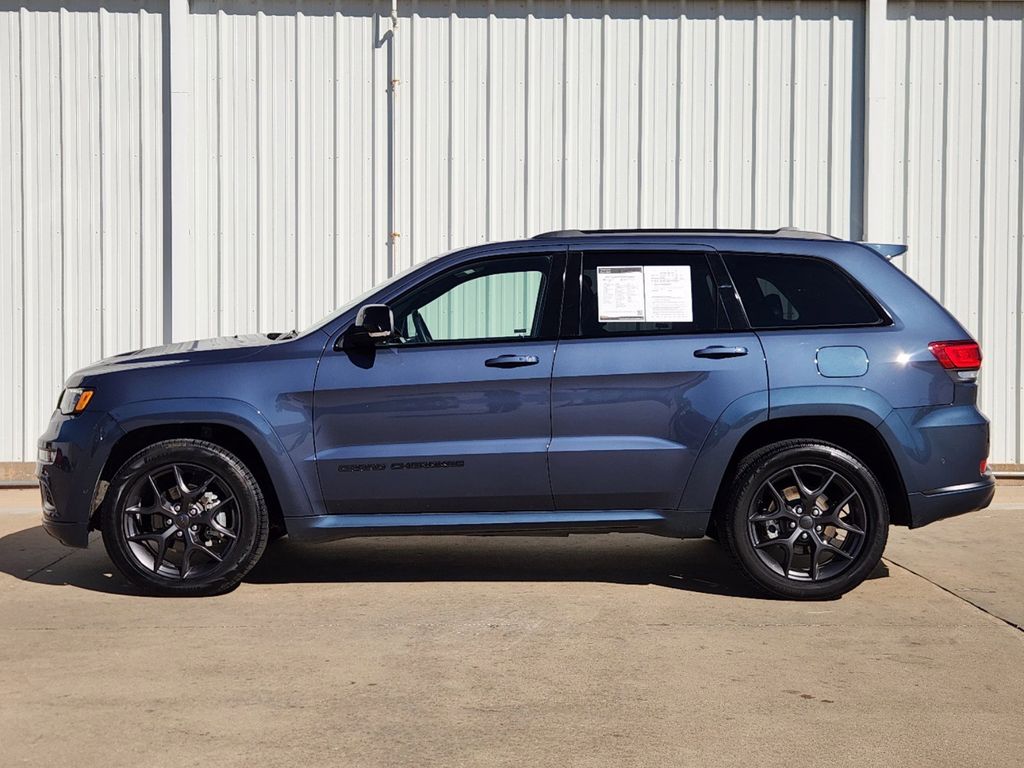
pixel 365 295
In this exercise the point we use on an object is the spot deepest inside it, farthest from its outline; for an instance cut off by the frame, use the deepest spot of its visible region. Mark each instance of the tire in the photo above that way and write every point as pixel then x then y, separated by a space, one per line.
pixel 806 520
pixel 184 517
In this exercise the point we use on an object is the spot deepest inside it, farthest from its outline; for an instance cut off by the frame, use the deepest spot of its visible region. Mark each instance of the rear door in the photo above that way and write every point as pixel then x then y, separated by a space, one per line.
pixel 647 363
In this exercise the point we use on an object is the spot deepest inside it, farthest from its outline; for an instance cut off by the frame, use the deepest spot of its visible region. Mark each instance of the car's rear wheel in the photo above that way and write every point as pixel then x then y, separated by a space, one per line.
pixel 805 520
pixel 184 517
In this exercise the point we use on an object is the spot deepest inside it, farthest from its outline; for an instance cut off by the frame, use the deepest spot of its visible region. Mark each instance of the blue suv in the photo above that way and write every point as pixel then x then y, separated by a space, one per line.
pixel 787 393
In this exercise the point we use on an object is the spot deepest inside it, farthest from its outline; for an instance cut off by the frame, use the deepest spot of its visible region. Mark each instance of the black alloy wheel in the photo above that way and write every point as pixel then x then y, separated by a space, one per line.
pixel 184 517
pixel 805 520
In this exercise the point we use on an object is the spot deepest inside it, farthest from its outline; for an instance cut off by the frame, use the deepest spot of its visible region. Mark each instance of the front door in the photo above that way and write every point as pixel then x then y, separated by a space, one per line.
pixel 644 371
pixel 454 414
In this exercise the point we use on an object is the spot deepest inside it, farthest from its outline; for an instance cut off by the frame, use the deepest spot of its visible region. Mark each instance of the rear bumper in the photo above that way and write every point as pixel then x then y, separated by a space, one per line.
pixel 954 500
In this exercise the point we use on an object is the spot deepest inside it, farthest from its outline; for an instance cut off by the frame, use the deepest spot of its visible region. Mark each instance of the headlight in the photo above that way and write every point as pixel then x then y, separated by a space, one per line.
pixel 74 400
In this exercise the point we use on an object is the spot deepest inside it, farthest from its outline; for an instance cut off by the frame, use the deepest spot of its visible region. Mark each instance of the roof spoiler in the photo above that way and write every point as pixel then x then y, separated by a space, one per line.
pixel 888 251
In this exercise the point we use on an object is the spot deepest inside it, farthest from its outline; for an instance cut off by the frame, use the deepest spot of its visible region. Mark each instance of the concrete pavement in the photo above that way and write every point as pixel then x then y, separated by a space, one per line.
pixel 591 651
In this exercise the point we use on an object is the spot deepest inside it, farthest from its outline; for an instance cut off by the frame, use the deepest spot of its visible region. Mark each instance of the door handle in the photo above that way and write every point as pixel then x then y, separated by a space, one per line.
pixel 511 361
pixel 717 352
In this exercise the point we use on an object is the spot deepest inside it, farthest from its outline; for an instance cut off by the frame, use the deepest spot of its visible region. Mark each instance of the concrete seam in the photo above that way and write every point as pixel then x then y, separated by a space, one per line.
pixel 960 597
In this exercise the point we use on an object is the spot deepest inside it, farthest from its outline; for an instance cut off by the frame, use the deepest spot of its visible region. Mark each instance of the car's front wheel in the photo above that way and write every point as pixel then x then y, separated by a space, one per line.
pixel 184 517
pixel 805 520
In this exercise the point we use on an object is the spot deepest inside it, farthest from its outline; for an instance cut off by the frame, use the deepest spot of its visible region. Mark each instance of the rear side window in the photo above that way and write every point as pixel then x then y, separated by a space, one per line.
pixel 798 292
pixel 635 293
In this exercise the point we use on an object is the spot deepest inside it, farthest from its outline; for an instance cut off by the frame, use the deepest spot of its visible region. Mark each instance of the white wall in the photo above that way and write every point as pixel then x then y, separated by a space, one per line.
pixel 511 118
pixel 81 199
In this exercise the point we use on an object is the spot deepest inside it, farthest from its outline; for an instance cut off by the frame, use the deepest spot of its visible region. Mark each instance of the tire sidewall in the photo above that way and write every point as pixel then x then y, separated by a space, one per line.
pixel 253 518
pixel 749 481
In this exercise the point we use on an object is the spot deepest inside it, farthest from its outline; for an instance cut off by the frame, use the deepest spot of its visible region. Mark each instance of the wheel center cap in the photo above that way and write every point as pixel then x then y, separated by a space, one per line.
pixel 806 522
pixel 182 521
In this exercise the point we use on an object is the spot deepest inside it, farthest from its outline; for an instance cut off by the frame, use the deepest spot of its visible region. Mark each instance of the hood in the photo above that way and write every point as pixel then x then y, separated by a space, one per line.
pixel 216 350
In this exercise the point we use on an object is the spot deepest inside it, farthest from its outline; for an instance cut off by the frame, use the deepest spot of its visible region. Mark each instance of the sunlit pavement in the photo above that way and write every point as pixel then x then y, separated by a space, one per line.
pixel 589 650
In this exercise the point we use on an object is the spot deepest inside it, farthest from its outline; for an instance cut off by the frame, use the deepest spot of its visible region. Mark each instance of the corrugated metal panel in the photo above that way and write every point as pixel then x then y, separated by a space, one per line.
pixel 510 119
pixel 81 201
pixel 956 99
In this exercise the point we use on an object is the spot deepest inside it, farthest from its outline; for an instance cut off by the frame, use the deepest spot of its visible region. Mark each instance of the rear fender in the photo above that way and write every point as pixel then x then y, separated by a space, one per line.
pixel 717 450
pixel 745 413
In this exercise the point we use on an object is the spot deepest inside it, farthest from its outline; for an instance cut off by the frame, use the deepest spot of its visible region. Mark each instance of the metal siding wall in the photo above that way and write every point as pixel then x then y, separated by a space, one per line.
pixel 957 100
pixel 81 200
pixel 512 118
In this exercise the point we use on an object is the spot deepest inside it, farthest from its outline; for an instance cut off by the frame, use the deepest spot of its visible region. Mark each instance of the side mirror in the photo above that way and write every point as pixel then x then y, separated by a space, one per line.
pixel 375 322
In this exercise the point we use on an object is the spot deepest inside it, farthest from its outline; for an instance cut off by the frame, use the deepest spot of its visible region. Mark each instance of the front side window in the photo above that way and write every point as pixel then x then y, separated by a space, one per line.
pixel 798 292
pixel 487 300
pixel 636 293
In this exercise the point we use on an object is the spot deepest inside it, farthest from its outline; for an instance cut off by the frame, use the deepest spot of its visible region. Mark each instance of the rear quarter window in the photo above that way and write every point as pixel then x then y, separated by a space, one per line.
pixel 799 292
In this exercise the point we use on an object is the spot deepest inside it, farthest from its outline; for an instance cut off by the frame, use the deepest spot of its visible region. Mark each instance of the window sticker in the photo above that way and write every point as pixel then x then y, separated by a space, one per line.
pixel 620 294
pixel 668 294
pixel 647 294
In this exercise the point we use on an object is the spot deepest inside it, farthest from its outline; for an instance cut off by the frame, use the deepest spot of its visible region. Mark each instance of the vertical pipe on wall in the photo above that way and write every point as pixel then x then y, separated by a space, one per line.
pixel 878 130
pixel 393 83
pixel 179 312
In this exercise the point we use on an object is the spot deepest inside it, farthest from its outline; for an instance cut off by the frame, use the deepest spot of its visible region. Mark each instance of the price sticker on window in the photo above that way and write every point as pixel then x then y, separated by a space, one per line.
pixel 620 294
pixel 645 294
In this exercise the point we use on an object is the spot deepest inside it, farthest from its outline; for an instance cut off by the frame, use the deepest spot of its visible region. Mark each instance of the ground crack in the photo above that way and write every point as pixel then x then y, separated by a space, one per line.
pixel 42 568
pixel 958 596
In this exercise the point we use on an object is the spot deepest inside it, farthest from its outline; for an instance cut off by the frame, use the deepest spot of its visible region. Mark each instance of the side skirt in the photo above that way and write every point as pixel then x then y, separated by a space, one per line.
pixel 660 522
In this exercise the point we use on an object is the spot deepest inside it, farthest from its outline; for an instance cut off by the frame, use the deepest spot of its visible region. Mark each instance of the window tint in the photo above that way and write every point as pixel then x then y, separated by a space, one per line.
pixel 494 299
pixel 657 288
pixel 798 292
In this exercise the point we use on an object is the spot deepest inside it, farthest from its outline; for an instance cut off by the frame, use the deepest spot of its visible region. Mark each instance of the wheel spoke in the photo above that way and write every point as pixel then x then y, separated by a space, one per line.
pixel 160 501
pixel 835 550
pixel 815 551
pixel 845 526
pixel 817 492
pixel 186 563
pixel 208 552
pixel 787 546
pixel 213 524
pixel 806 494
pixel 787 566
pixel 192 545
pixel 779 498
pixel 202 488
pixel 835 509
pixel 161 552
pixel 139 538
pixel 180 482
pixel 220 503
pixel 160 540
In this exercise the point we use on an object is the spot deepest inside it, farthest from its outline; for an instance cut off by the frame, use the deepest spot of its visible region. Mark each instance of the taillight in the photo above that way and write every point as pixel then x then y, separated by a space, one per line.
pixel 957 355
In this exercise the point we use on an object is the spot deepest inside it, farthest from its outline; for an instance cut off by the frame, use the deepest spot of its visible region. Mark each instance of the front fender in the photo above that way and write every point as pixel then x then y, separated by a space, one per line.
pixel 291 491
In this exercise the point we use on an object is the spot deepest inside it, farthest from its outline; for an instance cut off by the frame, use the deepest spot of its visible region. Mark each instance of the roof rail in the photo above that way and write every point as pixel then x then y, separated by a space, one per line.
pixel 559 233
pixel 792 232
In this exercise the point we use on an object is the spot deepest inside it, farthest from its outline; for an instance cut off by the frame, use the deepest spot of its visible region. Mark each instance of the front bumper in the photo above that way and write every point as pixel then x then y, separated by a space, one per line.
pixel 935 505
pixel 77 448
